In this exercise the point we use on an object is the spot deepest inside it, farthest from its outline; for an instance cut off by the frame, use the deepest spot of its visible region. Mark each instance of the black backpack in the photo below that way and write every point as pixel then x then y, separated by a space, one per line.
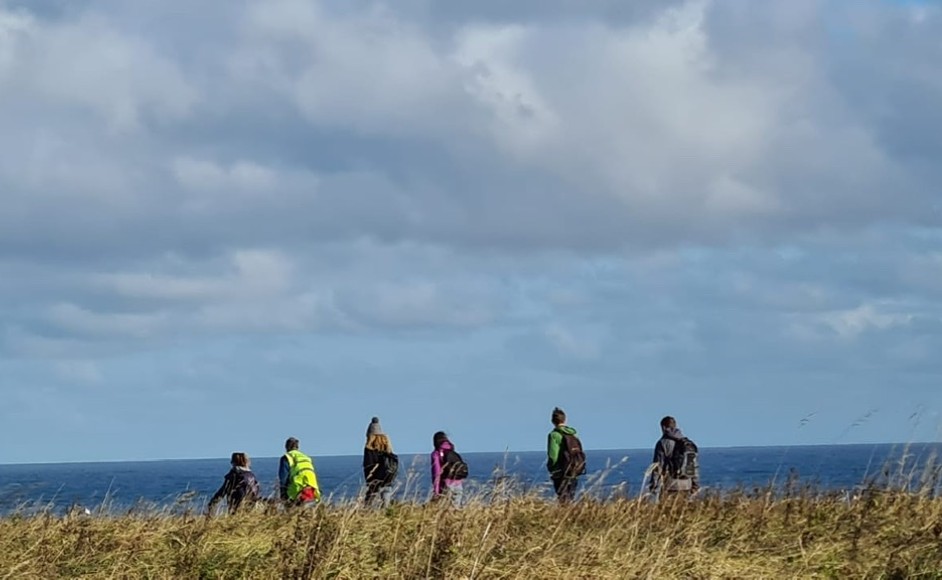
pixel 453 466
pixel 246 487
pixel 571 462
pixel 684 462
pixel 389 467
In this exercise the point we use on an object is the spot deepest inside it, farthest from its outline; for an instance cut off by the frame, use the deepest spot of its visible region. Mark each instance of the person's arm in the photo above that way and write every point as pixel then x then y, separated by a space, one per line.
pixel 436 473
pixel 659 462
pixel 553 442
pixel 284 472
pixel 220 493
pixel 367 467
pixel 695 480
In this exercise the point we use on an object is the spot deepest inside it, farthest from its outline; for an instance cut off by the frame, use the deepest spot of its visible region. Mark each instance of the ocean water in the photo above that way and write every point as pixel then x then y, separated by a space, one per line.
pixel 187 484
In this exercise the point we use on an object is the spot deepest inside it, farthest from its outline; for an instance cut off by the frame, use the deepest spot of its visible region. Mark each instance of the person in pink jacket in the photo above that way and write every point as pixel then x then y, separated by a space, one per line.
pixel 448 469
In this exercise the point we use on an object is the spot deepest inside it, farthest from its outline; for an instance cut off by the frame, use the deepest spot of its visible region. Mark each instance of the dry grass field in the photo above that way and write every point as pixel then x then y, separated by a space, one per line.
pixel 878 534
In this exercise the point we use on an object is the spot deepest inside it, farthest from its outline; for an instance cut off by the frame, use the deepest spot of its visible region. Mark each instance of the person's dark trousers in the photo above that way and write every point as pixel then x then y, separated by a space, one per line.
pixel 376 489
pixel 565 488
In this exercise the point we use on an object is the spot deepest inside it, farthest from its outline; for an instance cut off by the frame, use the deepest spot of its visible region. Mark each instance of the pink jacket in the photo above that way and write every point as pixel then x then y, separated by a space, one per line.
pixel 437 459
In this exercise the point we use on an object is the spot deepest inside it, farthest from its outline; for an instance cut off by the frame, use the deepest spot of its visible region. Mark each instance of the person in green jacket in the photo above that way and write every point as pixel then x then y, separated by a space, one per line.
pixel 296 476
pixel 565 459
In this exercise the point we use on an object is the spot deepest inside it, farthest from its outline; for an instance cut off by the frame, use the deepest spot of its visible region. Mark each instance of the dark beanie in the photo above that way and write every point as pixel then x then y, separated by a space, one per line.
pixel 374 428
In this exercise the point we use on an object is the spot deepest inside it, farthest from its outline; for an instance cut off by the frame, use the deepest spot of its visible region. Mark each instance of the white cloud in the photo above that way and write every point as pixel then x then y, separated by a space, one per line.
pixel 569 345
pixel 852 323
pixel 521 118
pixel 89 64
pixel 368 71
pixel 83 372
pixel 416 304
pixel 198 174
pixel 296 132
pixel 82 321
pixel 12 27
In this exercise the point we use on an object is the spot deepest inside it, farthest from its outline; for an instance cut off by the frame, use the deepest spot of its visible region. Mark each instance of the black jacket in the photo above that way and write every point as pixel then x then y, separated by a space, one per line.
pixel 239 485
pixel 374 467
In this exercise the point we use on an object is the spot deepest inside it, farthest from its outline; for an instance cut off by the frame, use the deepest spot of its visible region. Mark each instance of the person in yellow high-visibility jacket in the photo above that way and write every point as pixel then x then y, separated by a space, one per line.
pixel 297 476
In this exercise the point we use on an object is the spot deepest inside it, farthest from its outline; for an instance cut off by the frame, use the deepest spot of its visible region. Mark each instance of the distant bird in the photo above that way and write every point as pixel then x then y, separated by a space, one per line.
pixel 864 419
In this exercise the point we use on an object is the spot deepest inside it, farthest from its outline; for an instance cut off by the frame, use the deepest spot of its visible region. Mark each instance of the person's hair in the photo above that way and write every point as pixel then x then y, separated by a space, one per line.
pixel 291 444
pixel 379 442
pixel 558 417
pixel 439 438
pixel 668 422
pixel 240 459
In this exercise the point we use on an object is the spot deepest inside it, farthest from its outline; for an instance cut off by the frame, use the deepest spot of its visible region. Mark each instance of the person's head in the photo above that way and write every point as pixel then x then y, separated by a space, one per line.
pixel 240 459
pixel 291 444
pixel 439 438
pixel 668 423
pixel 374 428
pixel 558 417
pixel 379 442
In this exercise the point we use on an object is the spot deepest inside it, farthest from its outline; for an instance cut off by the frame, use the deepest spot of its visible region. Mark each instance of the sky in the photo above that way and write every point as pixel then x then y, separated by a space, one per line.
pixel 226 222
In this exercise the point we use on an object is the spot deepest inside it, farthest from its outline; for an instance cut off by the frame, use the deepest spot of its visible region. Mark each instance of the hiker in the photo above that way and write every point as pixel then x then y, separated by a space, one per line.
pixel 565 459
pixel 676 461
pixel 296 476
pixel 448 470
pixel 380 464
pixel 239 485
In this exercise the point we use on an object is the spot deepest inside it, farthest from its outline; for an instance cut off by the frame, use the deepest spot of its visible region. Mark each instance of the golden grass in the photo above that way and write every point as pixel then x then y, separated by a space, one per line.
pixel 760 535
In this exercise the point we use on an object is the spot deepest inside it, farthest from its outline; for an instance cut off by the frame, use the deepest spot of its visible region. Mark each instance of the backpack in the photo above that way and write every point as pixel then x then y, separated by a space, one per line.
pixel 246 487
pixel 389 468
pixel 684 461
pixel 453 466
pixel 571 462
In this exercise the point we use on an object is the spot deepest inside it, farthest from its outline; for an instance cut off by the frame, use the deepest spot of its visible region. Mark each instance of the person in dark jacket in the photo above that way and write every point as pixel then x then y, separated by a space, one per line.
pixel 238 487
pixel 377 457
pixel 662 478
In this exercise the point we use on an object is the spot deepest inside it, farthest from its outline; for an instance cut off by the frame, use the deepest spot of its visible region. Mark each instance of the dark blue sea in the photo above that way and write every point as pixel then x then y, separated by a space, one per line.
pixel 187 484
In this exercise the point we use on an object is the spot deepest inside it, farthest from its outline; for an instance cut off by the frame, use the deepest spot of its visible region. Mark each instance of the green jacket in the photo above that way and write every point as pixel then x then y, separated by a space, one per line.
pixel 554 444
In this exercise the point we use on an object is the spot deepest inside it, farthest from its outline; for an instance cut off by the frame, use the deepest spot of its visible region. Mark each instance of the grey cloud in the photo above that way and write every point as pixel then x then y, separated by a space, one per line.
pixel 90 65
pixel 505 134
pixel 580 134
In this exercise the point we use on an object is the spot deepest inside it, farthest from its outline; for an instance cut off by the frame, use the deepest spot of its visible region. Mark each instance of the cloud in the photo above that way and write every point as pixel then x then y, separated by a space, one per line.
pixel 851 323
pixel 738 199
pixel 651 132
pixel 197 175
pixel 79 321
pixel 569 345
pixel 82 372
pixel 91 65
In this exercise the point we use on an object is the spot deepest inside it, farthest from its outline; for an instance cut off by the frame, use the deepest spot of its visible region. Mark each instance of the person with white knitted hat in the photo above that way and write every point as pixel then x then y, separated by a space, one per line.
pixel 380 464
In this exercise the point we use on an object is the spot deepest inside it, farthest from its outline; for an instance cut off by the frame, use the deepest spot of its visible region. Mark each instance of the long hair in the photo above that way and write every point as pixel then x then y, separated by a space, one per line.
pixel 379 442
pixel 240 460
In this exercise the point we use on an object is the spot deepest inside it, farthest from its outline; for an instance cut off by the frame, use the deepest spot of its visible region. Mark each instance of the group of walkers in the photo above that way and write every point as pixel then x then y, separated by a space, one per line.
pixel 675 468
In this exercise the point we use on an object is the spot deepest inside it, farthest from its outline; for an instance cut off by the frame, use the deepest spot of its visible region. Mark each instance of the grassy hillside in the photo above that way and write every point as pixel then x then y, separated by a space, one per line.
pixel 878 535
